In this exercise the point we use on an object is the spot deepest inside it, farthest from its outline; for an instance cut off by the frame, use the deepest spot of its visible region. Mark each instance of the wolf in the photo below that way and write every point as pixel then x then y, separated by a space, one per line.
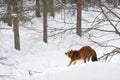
pixel 85 53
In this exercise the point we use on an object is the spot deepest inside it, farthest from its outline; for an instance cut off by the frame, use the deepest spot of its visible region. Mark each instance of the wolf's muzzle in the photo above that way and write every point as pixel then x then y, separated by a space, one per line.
pixel 65 53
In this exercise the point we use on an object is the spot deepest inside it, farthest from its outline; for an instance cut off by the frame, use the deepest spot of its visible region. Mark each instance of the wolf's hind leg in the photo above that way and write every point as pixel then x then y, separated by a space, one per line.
pixel 88 58
pixel 84 60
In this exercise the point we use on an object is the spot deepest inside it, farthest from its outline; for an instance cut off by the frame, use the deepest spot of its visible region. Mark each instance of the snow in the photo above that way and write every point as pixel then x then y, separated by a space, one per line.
pixel 89 71
pixel 40 61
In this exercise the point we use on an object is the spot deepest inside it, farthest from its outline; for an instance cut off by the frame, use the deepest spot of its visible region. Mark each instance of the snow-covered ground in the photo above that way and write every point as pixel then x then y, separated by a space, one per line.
pixel 89 71
pixel 40 61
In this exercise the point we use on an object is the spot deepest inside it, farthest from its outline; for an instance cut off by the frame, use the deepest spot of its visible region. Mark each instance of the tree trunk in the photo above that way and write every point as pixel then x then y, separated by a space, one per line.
pixel 51 8
pixel 16 25
pixel 45 21
pixel 73 1
pixel 9 18
pixel 85 4
pixel 115 3
pixel 64 1
pixel 79 15
pixel 16 33
pixel 37 8
pixel 118 2
pixel 98 2
pixel 4 1
pixel 21 5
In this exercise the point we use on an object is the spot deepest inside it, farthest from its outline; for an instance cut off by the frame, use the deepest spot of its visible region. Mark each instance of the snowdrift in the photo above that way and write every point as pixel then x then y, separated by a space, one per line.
pixel 88 71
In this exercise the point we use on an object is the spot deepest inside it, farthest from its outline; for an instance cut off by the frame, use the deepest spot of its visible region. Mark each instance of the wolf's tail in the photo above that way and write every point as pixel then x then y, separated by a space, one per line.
pixel 94 56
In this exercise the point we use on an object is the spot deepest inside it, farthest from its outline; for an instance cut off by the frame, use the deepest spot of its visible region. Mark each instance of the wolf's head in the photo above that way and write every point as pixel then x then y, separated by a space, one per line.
pixel 69 53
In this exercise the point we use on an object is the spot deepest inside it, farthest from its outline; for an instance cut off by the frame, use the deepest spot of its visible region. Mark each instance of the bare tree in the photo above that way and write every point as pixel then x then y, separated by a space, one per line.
pixel 79 16
pixel 37 8
pixel 64 1
pixel 45 21
pixel 113 2
pixel 9 11
pixel 51 8
pixel 21 5
pixel 115 30
pixel 16 25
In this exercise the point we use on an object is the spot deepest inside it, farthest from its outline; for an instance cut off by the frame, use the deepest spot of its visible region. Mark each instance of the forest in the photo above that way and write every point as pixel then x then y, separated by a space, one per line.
pixel 39 31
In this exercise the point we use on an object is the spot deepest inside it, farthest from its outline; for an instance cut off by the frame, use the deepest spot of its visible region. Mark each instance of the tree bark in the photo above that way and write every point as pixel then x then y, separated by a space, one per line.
pixel 64 1
pixel 16 25
pixel 16 33
pixel 9 18
pixel 21 5
pixel 79 16
pixel 118 2
pixel 51 8
pixel 45 21
pixel 37 8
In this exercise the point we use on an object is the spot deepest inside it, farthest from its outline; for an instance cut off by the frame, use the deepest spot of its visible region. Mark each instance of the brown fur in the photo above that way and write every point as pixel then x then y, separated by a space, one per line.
pixel 85 53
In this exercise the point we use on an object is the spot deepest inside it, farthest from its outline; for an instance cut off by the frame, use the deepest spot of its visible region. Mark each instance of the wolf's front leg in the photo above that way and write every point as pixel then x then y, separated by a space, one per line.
pixel 75 62
pixel 70 63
